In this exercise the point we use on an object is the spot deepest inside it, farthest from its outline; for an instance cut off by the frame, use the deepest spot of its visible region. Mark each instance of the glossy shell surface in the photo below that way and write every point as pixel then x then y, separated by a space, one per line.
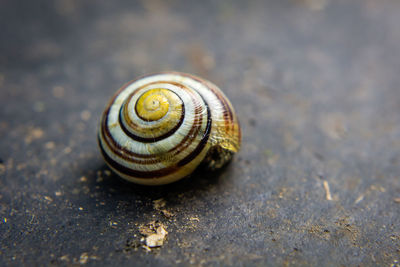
pixel 159 128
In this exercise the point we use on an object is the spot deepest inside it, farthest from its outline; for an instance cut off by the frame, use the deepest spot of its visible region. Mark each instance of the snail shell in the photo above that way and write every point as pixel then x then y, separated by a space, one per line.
pixel 159 128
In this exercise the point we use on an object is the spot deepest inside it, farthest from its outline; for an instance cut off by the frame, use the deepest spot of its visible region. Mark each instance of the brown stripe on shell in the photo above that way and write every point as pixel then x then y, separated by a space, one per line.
pixel 229 122
pixel 127 154
pixel 134 173
pixel 165 171
pixel 114 146
pixel 153 139
pixel 202 143
pixel 228 114
pixel 129 122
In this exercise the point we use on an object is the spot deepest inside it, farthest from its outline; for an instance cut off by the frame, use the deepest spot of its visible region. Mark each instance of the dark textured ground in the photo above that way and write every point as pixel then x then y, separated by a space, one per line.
pixel 316 86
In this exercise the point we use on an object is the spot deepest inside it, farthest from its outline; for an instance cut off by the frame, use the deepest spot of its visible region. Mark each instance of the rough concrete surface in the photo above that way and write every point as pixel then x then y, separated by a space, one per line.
pixel 315 84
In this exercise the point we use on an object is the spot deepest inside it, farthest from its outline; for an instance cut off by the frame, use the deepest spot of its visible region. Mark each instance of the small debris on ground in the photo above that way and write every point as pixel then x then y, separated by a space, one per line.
pixel 359 199
pixel 64 258
pixel 50 145
pixel 397 200
pixel 49 199
pixel 194 219
pixel 154 234
pixel 67 150
pixel 327 190
pixel 84 258
pixel 167 213
pixel 159 204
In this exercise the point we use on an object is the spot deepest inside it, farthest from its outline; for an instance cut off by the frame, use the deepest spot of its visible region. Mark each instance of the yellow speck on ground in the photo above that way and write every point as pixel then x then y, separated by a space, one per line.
pixel 194 219
pixel 113 223
pixel 64 258
pixel 83 259
pixel 49 199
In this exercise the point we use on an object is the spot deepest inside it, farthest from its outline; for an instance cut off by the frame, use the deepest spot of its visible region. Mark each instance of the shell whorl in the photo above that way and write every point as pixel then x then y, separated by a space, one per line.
pixel 159 128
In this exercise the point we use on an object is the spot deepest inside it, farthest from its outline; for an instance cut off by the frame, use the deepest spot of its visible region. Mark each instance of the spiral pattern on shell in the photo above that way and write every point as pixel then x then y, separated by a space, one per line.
pixel 159 128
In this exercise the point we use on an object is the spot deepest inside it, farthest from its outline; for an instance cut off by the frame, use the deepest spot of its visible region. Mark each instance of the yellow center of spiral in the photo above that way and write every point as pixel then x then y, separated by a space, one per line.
pixel 154 104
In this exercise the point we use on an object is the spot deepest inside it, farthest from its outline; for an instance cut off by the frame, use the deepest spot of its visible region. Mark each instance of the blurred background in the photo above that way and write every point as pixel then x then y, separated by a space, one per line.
pixel 315 84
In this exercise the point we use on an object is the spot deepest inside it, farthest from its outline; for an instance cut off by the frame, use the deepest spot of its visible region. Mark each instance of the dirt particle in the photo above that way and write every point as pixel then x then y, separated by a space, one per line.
pixel 378 188
pixel 49 199
pixel 50 145
pixel 282 192
pixel 34 133
pixel 194 219
pixel 359 199
pixel 154 234
pixel 67 150
pixel 156 240
pixel 58 193
pixel 167 213
pixel 64 258
pixel 83 179
pixel 159 203
pixel 83 259
pixel 397 200
pixel 113 224
pixel 327 191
